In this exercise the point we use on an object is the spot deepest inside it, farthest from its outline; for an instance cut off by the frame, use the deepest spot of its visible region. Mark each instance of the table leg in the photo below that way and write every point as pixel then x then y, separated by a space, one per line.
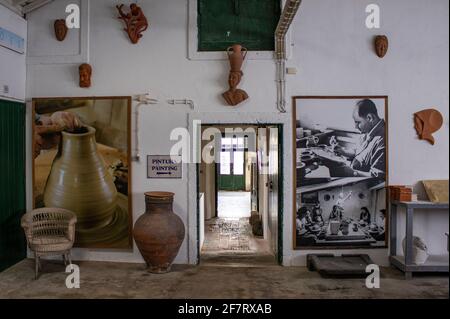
pixel 409 236
pixel 393 230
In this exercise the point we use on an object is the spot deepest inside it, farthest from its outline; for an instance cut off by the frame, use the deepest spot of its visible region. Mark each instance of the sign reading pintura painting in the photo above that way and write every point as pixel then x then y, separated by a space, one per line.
pixel 164 166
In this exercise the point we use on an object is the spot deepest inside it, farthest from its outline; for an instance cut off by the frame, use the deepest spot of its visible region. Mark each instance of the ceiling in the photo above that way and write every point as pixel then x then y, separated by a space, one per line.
pixel 23 7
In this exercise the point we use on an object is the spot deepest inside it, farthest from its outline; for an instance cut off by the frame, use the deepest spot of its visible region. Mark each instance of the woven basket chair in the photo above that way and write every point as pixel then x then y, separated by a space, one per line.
pixel 49 231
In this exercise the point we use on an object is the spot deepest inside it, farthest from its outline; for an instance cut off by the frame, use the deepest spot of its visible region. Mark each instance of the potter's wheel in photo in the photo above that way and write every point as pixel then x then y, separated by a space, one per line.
pixel 114 235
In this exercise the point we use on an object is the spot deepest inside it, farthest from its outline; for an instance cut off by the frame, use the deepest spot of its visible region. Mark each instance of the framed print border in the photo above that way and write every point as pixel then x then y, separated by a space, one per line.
pixel 128 102
pixel 295 102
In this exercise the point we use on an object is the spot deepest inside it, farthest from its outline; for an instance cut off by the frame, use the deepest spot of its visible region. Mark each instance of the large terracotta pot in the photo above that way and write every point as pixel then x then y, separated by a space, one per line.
pixel 80 182
pixel 159 233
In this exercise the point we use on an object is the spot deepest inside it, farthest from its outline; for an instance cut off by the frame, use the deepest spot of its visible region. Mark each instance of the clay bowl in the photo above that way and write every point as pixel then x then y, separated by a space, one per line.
pixel 308 159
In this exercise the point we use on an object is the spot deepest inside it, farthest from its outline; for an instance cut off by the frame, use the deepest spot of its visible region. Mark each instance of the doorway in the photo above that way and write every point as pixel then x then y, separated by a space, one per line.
pixel 239 194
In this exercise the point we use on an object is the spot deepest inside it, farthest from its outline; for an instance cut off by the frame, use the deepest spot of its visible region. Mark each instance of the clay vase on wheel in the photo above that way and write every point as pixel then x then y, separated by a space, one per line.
pixel 159 233
pixel 80 182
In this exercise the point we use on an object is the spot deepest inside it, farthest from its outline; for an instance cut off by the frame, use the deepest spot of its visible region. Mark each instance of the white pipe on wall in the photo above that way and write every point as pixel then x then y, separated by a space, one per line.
pixel 290 10
pixel 143 99
pixel 190 103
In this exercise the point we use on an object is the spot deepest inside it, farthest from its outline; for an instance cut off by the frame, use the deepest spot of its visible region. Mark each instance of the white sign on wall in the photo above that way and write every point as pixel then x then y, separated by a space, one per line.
pixel 164 166
pixel 12 41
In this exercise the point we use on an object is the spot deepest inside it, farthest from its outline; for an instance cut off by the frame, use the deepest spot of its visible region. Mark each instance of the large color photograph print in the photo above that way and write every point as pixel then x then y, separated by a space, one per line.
pixel 341 170
pixel 81 150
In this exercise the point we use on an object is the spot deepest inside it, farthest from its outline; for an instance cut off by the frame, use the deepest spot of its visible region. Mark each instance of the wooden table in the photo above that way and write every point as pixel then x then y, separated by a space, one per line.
pixel 355 238
pixel 435 263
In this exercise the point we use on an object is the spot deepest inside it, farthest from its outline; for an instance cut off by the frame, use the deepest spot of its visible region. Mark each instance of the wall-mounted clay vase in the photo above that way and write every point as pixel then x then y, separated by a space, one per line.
pixel 61 29
pixel 381 45
pixel 236 56
pixel 426 123
pixel 80 182
pixel 85 71
pixel 159 232
pixel 135 21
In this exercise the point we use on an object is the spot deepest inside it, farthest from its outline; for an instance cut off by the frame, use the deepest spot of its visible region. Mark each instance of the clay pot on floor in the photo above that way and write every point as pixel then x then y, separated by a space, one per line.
pixel 159 233
pixel 80 182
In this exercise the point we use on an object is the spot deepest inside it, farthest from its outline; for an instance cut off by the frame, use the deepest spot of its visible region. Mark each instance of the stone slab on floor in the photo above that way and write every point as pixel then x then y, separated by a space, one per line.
pixel 103 280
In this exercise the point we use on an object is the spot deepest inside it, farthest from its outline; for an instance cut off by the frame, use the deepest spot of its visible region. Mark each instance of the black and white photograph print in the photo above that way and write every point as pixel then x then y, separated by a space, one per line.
pixel 344 213
pixel 341 151
pixel 340 137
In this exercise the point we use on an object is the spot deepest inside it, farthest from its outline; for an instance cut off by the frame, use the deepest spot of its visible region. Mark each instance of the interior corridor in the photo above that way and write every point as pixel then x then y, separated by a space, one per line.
pixel 231 232
pixel 235 200
pixel 234 204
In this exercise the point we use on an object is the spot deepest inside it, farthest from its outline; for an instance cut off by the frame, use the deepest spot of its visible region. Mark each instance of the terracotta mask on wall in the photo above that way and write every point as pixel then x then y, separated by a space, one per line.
pixel 61 29
pixel 381 45
pixel 85 71
pixel 426 123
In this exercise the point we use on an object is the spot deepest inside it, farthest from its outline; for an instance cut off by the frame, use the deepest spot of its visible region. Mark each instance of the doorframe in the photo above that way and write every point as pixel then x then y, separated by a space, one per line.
pixel 194 253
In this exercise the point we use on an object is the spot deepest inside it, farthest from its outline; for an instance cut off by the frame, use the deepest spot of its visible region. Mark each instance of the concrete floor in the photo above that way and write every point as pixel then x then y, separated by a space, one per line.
pixel 236 276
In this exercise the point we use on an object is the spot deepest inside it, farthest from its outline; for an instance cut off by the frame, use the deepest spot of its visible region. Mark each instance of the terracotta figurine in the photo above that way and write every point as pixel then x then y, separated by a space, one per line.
pixel 85 75
pixel 61 29
pixel 235 96
pixel 426 123
pixel 381 45
pixel 135 21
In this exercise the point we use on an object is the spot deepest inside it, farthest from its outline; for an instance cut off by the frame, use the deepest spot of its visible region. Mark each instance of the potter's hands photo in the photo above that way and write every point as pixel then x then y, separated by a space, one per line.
pixel 47 131
pixel 66 120
pixel 46 137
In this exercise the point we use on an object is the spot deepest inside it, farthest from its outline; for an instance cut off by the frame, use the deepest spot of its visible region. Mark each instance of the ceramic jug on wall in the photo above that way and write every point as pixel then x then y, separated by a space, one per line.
pixel 80 182
pixel 236 55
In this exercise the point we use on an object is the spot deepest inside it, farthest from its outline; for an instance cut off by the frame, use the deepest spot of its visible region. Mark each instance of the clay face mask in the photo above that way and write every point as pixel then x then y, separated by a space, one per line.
pixel 381 45
pixel 426 123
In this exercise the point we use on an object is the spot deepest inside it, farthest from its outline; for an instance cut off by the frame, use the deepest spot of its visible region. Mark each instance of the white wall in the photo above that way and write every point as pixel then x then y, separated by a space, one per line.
pixel 12 64
pixel 333 54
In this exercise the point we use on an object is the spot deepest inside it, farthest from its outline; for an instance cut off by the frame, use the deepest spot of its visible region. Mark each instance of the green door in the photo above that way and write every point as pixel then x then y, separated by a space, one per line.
pixel 231 169
pixel 12 183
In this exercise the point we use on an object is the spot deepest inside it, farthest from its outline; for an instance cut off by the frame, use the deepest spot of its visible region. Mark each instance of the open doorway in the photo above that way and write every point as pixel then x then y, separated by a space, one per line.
pixel 238 194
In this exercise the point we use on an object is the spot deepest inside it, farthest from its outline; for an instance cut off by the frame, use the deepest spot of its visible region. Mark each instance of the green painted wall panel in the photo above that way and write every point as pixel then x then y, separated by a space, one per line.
pixel 12 183
pixel 252 23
